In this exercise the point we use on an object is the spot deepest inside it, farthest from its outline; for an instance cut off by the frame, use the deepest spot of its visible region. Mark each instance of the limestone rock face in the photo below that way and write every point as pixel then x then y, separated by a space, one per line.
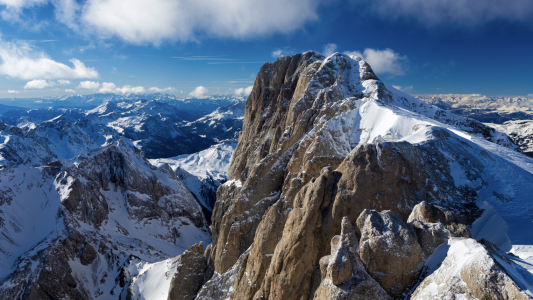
pixel 255 176
pixel 222 286
pixel 471 271
pixel 343 274
pixel 190 274
pixel 323 139
pixel 389 250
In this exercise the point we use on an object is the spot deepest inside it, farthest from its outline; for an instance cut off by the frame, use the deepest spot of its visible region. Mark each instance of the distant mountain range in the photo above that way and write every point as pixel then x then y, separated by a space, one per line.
pixel 158 128
pixel 204 105
pixel 496 109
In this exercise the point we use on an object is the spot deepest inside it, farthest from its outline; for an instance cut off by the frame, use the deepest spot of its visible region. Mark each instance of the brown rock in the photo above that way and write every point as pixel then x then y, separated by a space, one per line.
pixel 389 250
pixel 431 235
pixel 343 273
pixel 292 179
pixel 257 164
pixel 455 216
pixel 190 273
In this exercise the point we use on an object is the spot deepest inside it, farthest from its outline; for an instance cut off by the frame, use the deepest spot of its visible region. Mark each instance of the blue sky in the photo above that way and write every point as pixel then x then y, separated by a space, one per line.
pixel 64 47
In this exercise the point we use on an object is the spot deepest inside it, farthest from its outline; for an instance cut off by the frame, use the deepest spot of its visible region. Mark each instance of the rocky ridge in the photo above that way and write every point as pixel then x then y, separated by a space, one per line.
pixel 327 147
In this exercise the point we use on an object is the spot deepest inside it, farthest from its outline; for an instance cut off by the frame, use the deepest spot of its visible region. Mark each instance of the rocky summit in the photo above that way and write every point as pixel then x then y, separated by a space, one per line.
pixel 339 187
pixel 342 187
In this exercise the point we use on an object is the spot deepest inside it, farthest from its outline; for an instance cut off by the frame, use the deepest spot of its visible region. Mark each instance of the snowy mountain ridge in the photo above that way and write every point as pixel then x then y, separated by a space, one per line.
pixel 90 217
pixel 156 128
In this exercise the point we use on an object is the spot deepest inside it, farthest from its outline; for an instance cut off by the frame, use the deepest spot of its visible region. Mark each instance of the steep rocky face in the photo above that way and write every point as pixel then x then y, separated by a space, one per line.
pixel 71 228
pixel 324 139
pixel 190 274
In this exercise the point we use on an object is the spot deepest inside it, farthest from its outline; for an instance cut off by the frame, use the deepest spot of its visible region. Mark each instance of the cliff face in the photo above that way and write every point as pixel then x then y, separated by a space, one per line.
pixel 323 140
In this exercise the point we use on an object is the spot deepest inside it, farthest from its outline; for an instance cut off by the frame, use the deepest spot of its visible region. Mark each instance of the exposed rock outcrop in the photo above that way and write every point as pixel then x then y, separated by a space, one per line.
pixel 343 275
pixel 190 274
pixel 389 250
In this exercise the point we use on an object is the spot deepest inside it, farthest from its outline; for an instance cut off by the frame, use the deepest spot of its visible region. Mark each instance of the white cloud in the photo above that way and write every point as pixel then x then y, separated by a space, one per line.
pixel 243 91
pixel 109 87
pixel 70 91
pixel 329 49
pixel 154 21
pixel 13 8
pixel 462 12
pixel 128 89
pixel 21 3
pixel 198 92
pixel 158 90
pixel 406 89
pixel 66 12
pixel 383 61
pixel 12 91
pixel 89 85
pixel 21 60
pixel 39 84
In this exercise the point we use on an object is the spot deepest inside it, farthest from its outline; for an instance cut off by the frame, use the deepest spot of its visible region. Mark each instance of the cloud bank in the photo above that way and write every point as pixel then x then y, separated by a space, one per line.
pixel 156 21
pixel 199 92
pixel 243 91
pixel 23 61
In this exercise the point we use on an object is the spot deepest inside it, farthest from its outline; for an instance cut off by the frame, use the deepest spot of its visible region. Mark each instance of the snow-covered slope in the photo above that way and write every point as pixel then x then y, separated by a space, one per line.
pixel 204 171
pixel 521 132
pixel 219 125
pixel 469 266
pixel 80 222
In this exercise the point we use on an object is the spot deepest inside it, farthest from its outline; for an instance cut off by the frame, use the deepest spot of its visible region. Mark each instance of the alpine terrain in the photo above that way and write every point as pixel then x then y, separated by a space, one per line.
pixel 341 187
pixel 338 186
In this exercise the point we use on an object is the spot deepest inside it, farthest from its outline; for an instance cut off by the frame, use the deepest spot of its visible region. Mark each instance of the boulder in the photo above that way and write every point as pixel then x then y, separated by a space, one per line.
pixel 389 250
pixel 343 274
pixel 190 274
